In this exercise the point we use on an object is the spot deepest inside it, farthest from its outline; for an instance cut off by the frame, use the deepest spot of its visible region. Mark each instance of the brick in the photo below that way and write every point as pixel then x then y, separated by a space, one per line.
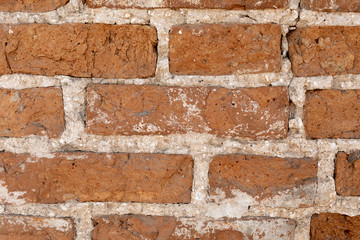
pixel 332 114
pixel 326 50
pixel 254 113
pixel 79 50
pixel 36 228
pixel 223 49
pixel 31 5
pixel 260 176
pixel 230 4
pixel 38 111
pixel 170 228
pixel 334 226
pixel 127 3
pixel 347 173
pixel 331 5
pixel 96 177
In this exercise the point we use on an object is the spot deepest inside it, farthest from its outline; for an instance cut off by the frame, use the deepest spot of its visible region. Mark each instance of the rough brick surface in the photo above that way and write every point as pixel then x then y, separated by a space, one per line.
pixel 256 113
pixel 80 50
pixel 222 49
pixel 347 174
pixel 88 177
pixel 30 5
pixel 334 226
pixel 331 5
pixel 37 111
pixel 260 176
pixel 230 4
pixel 332 114
pixel 127 3
pixel 328 50
pixel 35 228
pixel 152 227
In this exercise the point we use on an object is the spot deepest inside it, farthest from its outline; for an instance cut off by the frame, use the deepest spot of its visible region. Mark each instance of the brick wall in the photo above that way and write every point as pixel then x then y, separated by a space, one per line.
pixel 179 119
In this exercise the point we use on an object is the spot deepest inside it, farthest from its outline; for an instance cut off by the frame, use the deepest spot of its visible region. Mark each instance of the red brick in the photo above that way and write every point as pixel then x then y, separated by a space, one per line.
pixel 260 176
pixel 347 174
pixel 255 113
pixel 334 226
pixel 36 228
pixel 222 49
pixel 326 50
pixel 38 111
pixel 127 3
pixel 230 4
pixel 31 5
pixel 132 227
pixel 79 50
pixel 332 114
pixel 331 5
pixel 96 177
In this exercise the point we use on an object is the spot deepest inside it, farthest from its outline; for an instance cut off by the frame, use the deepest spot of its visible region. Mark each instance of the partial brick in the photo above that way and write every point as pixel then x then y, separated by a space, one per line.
pixel 31 5
pixel 332 114
pixel 79 50
pixel 230 4
pixel 334 226
pixel 165 227
pixel 127 3
pixel 325 50
pixel 347 173
pixel 38 111
pixel 223 49
pixel 96 177
pixel 260 176
pixel 331 5
pixel 36 228
pixel 254 113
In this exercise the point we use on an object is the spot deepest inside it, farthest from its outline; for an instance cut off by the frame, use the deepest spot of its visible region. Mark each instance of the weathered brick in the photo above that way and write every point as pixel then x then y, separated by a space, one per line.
pixel 334 226
pixel 94 177
pixel 260 176
pixel 331 5
pixel 255 113
pixel 222 49
pixel 332 114
pixel 36 228
pixel 37 111
pixel 79 50
pixel 170 228
pixel 347 173
pixel 31 5
pixel 230 4
pixel 326 50
pixel 127 3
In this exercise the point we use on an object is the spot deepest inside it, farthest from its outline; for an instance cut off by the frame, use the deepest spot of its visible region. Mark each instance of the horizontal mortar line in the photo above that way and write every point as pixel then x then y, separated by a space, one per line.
pixel 21 81
pixel 314 18
pixel 143 16
pixel 341 82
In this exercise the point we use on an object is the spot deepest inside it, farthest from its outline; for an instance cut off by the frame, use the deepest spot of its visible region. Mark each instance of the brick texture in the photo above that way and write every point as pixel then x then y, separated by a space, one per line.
pixel 127 3
pixel 328 50
pixel 94 177
pixel 30 5
pixel 79 50
pixel 36 228
pixel 222 49
pixel 331 5
pixel 255 113
pixel 164 227
pixel 332 114
pixel 37 111
pixel 347 174
pixel 260 176
pixel 230 4
pixel 334 226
